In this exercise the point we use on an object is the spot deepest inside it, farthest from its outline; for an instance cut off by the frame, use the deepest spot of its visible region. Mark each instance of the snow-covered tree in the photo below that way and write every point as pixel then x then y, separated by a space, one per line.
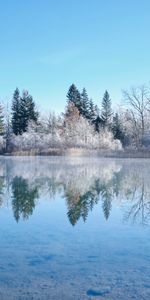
pixel 106 141
pixel 2 127
pixel 106 113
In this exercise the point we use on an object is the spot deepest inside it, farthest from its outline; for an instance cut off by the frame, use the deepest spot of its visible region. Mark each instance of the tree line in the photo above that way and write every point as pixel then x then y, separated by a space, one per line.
pixel 82 124
pixel 103 118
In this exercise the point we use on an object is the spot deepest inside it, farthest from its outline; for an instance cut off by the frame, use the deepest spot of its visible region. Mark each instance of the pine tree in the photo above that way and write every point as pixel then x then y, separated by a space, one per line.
pixel 92 112
pixel 117 129
pixel 16 116
pixel 27 110
pixel 106 110
pixel 1 121
pixel 23 111
pixel 74 97
pixel 98 123
pixel 85 104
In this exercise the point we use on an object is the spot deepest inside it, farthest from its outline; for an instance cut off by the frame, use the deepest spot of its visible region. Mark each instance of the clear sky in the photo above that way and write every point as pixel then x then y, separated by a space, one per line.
pixel 47 45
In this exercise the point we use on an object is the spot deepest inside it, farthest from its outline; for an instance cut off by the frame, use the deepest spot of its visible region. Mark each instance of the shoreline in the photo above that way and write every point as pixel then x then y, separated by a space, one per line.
pixel 76 152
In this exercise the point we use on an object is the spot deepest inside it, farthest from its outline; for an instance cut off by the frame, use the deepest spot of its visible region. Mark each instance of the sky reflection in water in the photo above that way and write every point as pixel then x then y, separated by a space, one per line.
pixel 74 228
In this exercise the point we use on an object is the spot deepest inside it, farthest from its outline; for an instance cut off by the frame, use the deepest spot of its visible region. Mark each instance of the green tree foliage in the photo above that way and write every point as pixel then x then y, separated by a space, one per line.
pixel 23 198
pixel 16 113
pixel 73 96
pixel 85 104
pixel 97 120
pixel 89 110
pixel 117 129
pixel 27 109
pixel 23 111
pixel 106 203
pixel 106 113
pixel 98 123
pixel 92 112
pixel 80 205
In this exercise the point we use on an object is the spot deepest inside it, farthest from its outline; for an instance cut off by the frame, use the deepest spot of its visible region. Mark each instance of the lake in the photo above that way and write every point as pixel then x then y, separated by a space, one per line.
pixel 74 228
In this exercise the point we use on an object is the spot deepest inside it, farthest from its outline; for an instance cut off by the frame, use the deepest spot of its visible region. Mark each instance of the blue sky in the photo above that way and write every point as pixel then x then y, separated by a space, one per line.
pixel 47 45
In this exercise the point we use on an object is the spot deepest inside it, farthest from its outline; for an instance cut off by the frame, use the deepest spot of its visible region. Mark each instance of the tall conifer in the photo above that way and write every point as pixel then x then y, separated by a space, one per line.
pixel 106 109
pixel 85 104
pixel 74 97
pixel 16 116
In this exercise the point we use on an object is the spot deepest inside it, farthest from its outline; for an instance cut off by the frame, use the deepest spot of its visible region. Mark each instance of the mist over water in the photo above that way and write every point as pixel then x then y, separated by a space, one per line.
pixel 74 228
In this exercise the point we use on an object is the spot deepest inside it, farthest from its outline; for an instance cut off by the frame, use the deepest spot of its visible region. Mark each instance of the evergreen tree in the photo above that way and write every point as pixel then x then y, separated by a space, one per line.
pixel 98 123
pixel 23 111
pixel 97 110
pixel 85 104
pixel 92 112
pixel 16 116
pixel 74 97
pixel 27 110
pixel 117 129
pixel 1 121
pixel 106 110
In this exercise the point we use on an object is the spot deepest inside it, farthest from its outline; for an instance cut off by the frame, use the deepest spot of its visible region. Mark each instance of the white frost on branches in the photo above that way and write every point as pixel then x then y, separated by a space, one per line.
pixel 77 134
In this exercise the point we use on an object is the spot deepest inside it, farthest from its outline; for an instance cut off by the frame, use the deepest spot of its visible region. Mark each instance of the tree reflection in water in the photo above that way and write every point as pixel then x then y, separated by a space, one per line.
pixel 23 198
pixel 83 184
pixel 2 186
pixel 139 205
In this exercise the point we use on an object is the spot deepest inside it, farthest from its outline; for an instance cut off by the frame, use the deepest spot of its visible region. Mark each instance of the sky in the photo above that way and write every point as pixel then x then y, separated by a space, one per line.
pixel 45 46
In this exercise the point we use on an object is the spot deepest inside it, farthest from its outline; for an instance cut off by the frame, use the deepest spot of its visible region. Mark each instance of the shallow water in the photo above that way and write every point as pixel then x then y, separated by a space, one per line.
pixel 74 228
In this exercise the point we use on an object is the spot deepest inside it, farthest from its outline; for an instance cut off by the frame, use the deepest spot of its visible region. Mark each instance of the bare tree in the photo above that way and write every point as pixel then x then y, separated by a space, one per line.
pixel 138 99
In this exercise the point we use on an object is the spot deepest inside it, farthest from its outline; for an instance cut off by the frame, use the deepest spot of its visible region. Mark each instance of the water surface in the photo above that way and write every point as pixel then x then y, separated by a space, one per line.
pixel 74 228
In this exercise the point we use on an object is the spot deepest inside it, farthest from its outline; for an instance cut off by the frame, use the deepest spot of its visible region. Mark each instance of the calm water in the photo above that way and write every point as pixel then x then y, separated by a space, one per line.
pixel 74 229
